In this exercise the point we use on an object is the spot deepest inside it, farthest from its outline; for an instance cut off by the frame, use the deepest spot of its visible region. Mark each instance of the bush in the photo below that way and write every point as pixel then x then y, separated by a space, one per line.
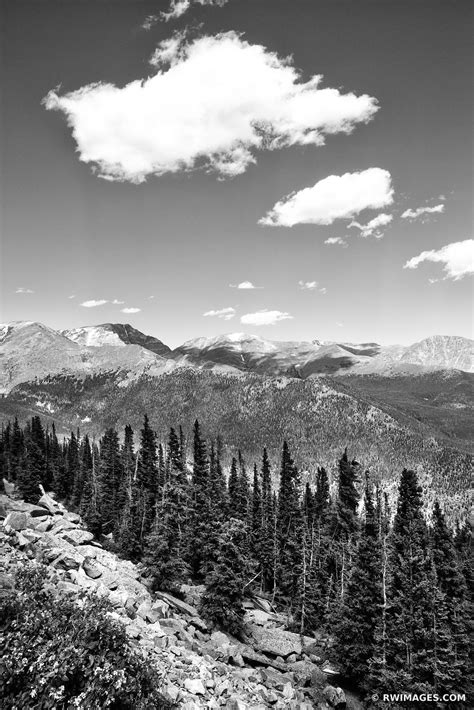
pixel 67 652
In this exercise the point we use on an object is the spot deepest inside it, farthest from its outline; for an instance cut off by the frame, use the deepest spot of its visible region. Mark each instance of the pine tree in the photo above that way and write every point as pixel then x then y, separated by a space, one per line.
pixel 453 590
pixel 290 529
pixel 409 616
pixel 267 545
pixel 89 504
pixel 222 602
pixel 33 470
pixel 200 522
pixel 362 604
pixel 147 479
pixel 110 481
pixel 165 547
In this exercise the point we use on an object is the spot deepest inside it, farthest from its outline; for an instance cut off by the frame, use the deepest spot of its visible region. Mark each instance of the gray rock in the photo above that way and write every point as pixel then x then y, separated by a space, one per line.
pixel 335 697
pixel 194 686
pixel 173 626
pixel 146 612
pixel 161 608
pixel 16 520
pixel 77 537
pixel 50 504
pixel 277 641
pixel 303 671
pixel 177 603
pixel 234 703
pixel 22 541
pixel 91 569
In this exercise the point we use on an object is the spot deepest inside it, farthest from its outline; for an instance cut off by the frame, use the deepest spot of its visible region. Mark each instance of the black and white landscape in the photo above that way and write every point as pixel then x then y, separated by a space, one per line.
pixel 236 354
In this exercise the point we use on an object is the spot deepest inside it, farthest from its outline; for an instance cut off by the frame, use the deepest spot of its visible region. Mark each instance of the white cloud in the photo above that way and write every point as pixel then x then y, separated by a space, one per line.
pixel 211 104
pixel 334 197
pixel 311 286
pixel 421 211
pixel 21 289
pixel 149 22
pixel 116 302
pixel 72 296
pixel 457 259
pixel 178 8
pixel 94 303
pixel 336 241
pixel 131 310
pixel 372 228
pixel 264 317
pixel 245 285
pixel 225 313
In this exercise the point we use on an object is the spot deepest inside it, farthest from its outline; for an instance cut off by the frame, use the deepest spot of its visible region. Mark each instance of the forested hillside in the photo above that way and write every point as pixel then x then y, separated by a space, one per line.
pixel 377 578
pixel 317 419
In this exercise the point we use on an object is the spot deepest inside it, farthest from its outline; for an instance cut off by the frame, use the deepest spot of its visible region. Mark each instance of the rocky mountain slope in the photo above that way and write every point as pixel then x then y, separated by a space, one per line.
pixel 200 667
pixel 116 334
pixel 31 350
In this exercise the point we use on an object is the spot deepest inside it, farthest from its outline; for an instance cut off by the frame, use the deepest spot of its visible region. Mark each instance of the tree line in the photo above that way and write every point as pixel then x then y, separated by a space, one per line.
pixel 391 588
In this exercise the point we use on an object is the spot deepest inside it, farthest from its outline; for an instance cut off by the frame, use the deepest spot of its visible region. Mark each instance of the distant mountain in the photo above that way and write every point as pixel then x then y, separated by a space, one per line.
pixel 30 351
pixel 116 334
pixel 250 353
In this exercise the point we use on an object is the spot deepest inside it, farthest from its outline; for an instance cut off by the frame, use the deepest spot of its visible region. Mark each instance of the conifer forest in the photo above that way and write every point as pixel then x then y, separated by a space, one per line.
pixel 389 583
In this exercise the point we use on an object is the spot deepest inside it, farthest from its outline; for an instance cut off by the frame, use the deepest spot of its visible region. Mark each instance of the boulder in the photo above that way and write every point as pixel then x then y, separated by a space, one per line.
pixel 72 517
pixel 43 526
pixel 273 679
pixel 178 604
pixel 172 626
pixel 91 569
pixel 234 703
pixel 335 697
pixel 259 618
pixel 50 504
pixel 303 672
pixel 192 593
pixel 318 678
pixel 161 608
pixel 118 599
pixel 277 641
pixel 16 520
pixel 194 686
pixel 76 536
pixel 146 612
pixel 22 541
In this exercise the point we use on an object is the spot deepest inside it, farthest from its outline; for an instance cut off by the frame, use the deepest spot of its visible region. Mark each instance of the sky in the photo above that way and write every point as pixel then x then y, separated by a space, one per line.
pixel 294 169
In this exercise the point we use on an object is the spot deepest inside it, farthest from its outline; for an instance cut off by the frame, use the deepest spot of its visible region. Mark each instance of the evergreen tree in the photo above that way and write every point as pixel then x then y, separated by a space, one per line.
pixel 410 641
pixel 267 545
pixel 89 504
pixel 452 586
pixel 201 519
pixel 32 472
pixel 290 528
pixel 110 481
pixel 362 603
pixel 222 602
pixel 165 548
pixel 147 479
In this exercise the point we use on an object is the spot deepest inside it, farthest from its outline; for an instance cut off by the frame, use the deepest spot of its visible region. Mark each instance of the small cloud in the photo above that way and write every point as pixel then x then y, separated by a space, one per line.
pixel 115 302
pixel 339 241
pixel 264 317
pixel 178 8
pixel 149 22
pixel 131 310
pixel 224 313
pixel 245 285
pixel 150 298
pixel 93 303
pixel 340 325
pixel 372 228
pixel 21 289
pixel 442 197
pixel 421 211
pixel 457 259
pixel 311 286
pixel 72 296
pixel 334 197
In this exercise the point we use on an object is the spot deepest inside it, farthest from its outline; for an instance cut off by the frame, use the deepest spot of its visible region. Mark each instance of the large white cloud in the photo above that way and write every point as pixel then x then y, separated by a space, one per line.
pixel 373 227
pixel 421 211
pixel 211 104
pixel 457 259
pixel 334 197
pixel 264 317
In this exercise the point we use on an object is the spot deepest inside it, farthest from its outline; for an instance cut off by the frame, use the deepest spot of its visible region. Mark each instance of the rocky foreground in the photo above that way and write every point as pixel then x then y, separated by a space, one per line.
pixel 200 667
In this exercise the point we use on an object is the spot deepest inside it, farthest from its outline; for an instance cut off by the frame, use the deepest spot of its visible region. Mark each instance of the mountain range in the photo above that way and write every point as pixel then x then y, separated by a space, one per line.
pixel 392 406
pixel 30 350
